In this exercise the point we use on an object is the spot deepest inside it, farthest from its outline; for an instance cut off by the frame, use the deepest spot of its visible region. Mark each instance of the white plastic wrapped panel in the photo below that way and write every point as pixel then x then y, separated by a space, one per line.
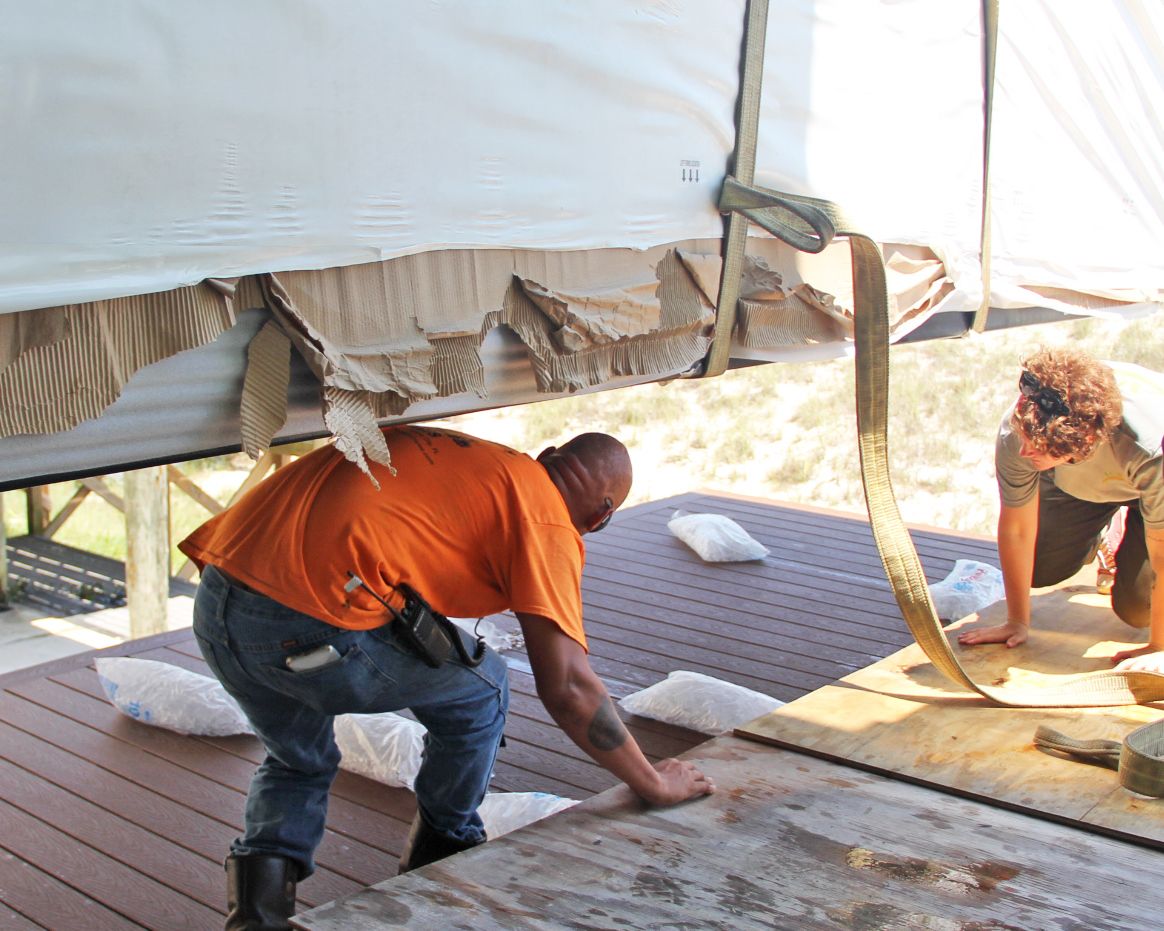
pixel 878 108
pixel 1077 153
pixel 153 144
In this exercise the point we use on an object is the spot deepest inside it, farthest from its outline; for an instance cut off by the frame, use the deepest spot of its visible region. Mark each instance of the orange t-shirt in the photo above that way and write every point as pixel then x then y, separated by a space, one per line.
pixel 473 526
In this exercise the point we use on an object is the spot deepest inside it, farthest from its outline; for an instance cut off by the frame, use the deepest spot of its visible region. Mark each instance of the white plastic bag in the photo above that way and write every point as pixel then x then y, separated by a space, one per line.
pixel 969 587
pixel 700 703
pixel 716 538
pixel 493 636
pixel 386 747
pixel 169 696
pixel 503 812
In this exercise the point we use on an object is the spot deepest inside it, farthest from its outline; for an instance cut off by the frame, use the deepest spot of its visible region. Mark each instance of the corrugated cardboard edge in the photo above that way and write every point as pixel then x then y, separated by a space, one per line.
pixel 263 407
pixel 681 337
pixel 383 335
pixel 32 329
pixel 774 313
pixel 594 316
pixel 72 362
pixel 350 418
pixel 791 321
pixel 587 319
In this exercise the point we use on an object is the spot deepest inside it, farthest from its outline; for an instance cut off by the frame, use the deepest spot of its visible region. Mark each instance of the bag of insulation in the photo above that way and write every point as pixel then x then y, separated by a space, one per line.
pixel 716 538
pixel 699 703
pixel 503 812
pixel 169 696
pixel 386 747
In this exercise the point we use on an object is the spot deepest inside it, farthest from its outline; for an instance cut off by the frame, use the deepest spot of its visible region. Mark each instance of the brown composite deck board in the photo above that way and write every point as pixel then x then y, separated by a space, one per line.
pixel 11 921
pixel 90 824
pixel 794 597
pixel 731 629
pixel 189 771
pixel 101 875
pixel 102 804
pixel 810 585
pixel 810 537
pixel 853 560
pixel 30 892
pixel 796 629
pixel 154 759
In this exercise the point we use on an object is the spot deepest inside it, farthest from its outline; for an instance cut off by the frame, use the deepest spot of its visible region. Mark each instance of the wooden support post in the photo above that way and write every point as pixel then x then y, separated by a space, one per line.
pixel 40 509
pixel 147 537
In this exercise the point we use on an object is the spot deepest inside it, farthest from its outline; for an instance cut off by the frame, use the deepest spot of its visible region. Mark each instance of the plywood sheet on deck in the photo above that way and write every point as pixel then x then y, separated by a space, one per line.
pixel 789 841
pixel 901 716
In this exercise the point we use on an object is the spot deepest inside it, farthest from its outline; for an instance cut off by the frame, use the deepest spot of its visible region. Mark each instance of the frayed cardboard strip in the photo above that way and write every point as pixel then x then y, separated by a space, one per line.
pixel 349 417
pixel 263 408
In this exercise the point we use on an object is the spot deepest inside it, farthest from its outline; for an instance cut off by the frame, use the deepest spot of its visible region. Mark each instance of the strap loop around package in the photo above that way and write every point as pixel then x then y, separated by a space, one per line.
pixel 1142 760
pixel 805 223
pixel 744 167
pixel 1139 758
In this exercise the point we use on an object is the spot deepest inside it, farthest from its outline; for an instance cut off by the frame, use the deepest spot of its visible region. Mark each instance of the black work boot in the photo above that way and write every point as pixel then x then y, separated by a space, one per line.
pixel 260 892
pixel 426 845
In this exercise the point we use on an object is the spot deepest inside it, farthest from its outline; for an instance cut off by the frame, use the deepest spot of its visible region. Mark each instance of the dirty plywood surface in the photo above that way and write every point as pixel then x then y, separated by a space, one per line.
pixel 789 841
pixel 900 715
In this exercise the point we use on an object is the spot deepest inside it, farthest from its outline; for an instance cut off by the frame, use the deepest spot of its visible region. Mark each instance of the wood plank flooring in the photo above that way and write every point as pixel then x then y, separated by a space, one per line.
pixel 109 823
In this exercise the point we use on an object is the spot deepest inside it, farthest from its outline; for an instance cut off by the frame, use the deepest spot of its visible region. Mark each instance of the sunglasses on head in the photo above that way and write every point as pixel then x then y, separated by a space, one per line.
pixel 608 505
pixel 1049 399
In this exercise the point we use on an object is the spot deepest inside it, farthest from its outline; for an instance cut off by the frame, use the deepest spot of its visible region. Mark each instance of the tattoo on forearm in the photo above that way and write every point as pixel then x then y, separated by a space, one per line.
pixel 606 730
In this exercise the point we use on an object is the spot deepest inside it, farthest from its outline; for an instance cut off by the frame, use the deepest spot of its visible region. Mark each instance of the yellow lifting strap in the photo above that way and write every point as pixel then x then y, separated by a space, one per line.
pixel 809 224
pixel 1139 758
pixel 989 56
pixel 743 168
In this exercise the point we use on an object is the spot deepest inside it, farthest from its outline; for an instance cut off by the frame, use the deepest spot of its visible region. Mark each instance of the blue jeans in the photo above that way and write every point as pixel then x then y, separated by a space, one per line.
pixel 245 638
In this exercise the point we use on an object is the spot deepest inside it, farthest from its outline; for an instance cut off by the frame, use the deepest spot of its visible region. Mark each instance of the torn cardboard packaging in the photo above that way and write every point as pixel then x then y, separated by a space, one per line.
pixel 64 365
pixel 779 307
pixel 379 337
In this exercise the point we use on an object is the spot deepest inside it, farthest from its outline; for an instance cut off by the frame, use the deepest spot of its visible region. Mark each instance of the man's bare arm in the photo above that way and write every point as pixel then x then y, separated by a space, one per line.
pixel 578 701
pixel 1017 529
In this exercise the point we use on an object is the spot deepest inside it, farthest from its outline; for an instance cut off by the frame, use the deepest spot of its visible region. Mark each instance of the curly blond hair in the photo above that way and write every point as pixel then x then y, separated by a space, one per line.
pixel 1089 389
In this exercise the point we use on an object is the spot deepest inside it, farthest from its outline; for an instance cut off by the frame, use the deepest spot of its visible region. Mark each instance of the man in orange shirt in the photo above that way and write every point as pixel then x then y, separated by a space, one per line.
pixel 315 601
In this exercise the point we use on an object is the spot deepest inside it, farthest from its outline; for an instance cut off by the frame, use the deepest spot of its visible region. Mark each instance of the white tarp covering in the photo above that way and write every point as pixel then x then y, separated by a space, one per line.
pixel 391 181
pixel 1077 152
pixel 152 144
pixel 878 108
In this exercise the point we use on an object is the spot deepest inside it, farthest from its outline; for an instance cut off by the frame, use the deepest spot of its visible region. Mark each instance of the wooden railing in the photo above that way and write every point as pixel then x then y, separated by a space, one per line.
pixel 146 506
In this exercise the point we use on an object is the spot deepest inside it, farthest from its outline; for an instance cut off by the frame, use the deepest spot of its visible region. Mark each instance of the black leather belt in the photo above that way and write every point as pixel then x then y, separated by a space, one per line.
pixel 236 583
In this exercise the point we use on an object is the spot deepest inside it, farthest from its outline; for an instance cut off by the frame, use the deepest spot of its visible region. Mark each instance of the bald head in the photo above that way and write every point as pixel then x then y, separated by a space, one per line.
pixel 593 473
